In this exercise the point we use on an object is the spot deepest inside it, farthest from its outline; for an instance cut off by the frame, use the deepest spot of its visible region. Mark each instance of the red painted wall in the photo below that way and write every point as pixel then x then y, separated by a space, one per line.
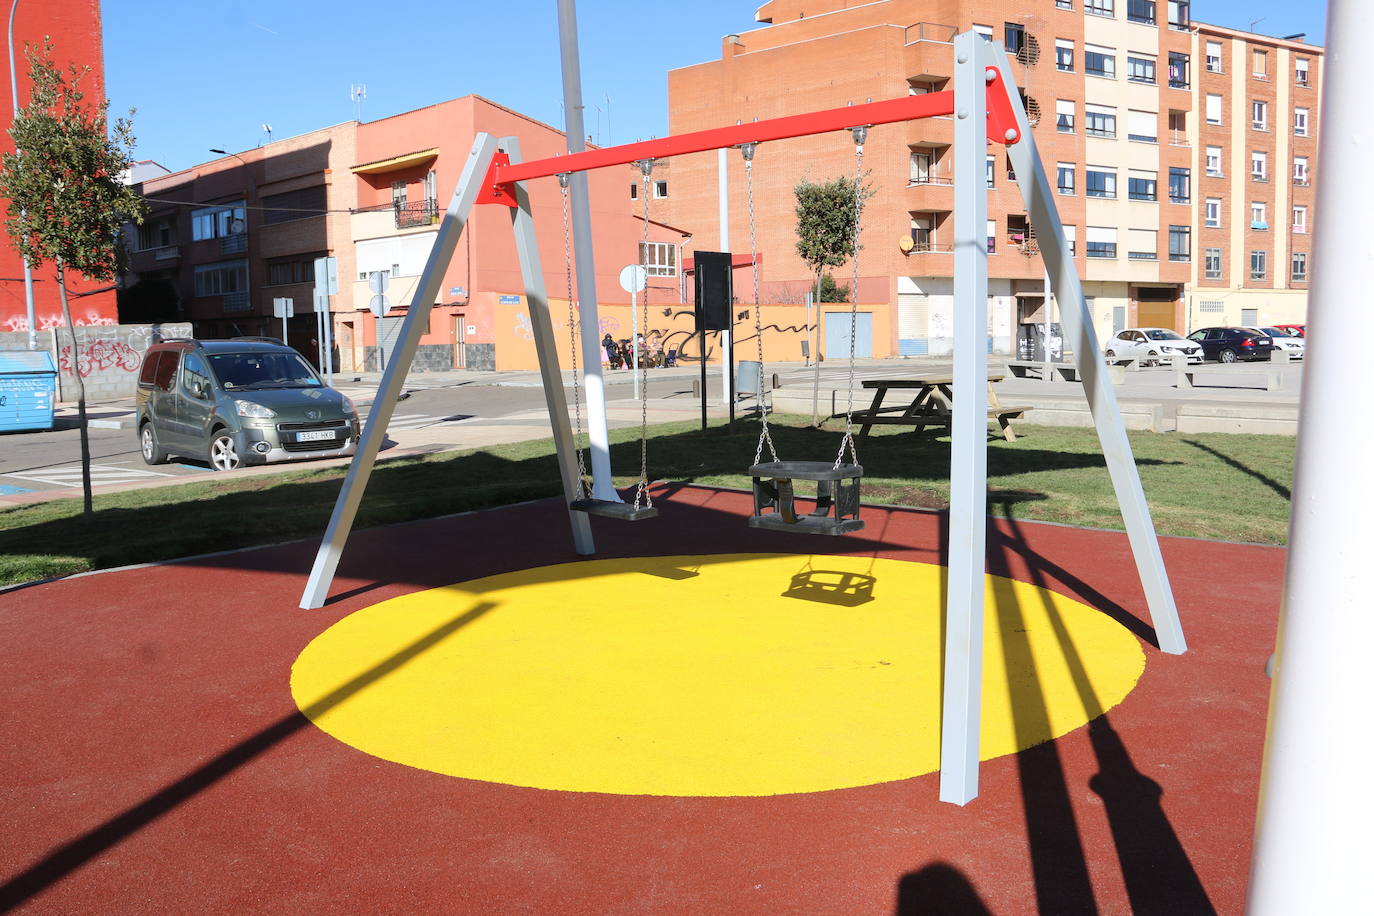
pixel 74 26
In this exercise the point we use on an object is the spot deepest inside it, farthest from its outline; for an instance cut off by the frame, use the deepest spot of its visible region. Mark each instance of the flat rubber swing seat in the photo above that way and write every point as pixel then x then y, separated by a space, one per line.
pixel 607 508
pixel 837 489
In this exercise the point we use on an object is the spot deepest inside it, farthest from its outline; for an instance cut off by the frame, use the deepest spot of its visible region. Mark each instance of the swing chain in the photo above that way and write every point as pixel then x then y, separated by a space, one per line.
pixel 860 135
pixel 765 437
pixel 646 166
pixel 583 491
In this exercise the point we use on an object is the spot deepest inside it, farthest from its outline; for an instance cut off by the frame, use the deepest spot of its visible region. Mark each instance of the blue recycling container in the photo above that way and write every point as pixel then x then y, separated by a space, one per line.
pixel 28 385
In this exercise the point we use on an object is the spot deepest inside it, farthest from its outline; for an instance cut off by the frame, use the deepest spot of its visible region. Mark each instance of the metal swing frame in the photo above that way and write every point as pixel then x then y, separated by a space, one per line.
pixel 986 108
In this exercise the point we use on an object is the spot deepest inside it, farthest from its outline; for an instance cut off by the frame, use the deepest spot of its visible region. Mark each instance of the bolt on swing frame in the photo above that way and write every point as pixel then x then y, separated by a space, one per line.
pixel 984 111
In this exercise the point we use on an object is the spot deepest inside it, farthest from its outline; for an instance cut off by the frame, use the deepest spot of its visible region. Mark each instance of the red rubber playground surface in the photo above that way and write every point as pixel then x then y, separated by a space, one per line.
pixel 154 759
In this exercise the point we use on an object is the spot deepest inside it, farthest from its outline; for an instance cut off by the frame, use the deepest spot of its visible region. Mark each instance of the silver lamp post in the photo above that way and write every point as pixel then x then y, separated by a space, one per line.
pixel 23 214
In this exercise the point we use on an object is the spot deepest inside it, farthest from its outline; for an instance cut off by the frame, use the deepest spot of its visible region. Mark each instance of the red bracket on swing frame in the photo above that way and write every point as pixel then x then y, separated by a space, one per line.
pixel 497 187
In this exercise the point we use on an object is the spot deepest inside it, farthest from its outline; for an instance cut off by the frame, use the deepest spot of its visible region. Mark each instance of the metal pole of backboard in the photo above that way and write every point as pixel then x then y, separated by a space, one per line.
pixel 1092 369
pixel 963 682
pixel 579 206
pixel 536 298
pixel 427 291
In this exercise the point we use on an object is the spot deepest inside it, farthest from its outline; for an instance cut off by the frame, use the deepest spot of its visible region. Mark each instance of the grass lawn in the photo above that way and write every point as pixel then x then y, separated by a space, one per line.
pixel 1227 487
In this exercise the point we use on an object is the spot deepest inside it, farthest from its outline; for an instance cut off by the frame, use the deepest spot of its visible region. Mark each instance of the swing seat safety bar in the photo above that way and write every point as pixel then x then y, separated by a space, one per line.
pixel 497 187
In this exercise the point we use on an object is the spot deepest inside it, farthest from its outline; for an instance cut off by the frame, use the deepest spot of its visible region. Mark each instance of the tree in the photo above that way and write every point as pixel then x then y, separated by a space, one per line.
pixel 830 291
pixel 67 199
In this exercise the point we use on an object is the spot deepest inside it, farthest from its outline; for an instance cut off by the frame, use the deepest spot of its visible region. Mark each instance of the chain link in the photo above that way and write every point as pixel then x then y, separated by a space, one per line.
pixel 642 490
pixel 583 490
pixel 765 437
pixel 860 135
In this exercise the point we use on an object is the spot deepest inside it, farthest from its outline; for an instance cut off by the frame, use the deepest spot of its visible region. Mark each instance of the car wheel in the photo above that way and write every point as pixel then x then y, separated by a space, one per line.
pixel 153 453
pixel 1227 356
pixel 223 455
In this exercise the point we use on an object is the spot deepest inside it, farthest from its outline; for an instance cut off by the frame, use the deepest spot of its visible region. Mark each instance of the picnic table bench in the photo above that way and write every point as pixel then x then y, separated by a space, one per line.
pixel 928 402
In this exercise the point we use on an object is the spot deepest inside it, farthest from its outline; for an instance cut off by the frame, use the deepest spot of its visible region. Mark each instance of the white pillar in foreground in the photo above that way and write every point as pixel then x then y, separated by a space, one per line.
pixel 727 337
pixel 1315 811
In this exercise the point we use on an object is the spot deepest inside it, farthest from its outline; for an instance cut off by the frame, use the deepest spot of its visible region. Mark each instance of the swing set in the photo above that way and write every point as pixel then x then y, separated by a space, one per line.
pixel 986 109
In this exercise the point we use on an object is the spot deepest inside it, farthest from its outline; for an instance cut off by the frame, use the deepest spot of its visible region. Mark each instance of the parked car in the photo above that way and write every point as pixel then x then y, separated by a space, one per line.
pixel 1293 330
pixel 234 402
pixel 1152 345
pixel 1230 344
pixel 1295 347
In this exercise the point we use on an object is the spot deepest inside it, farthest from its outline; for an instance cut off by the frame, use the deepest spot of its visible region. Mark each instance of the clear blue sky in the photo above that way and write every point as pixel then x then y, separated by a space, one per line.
pixel 209 75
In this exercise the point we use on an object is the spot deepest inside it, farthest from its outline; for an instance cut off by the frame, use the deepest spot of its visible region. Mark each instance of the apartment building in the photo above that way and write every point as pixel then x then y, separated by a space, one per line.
pixel 1113 89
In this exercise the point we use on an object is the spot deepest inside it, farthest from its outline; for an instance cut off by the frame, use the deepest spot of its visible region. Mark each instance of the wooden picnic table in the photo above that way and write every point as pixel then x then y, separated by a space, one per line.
pixel 927 401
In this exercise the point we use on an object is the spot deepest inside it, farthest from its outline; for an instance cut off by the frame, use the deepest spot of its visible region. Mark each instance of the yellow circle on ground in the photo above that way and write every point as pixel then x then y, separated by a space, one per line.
pixel 735 674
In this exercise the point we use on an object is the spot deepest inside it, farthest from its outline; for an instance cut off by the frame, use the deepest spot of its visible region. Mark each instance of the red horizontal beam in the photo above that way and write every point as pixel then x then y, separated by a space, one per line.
pixel 907 108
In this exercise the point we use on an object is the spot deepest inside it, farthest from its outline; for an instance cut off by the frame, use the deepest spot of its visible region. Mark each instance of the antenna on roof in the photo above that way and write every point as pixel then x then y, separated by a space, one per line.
pixel 356 93
pixel 267 128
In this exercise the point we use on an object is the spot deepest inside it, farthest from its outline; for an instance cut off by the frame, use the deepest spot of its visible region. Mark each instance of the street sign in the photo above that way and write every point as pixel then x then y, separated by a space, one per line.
pixel 327 277
pixel 283 308
pixel 378 281
pixel 633 278
pixel 379 305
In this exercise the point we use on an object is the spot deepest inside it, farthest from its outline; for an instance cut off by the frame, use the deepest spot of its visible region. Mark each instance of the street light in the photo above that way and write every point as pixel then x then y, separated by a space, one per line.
pixel 23 214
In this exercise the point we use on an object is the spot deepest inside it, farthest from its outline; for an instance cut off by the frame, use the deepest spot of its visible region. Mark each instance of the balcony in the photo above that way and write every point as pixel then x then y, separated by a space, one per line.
pixel 929 52
pixel 931 194
pixel 167 253
pixel 233 244
pixel 408 216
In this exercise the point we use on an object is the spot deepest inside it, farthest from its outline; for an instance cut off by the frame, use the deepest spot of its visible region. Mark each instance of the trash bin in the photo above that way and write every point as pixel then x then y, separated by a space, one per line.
pixel 28 384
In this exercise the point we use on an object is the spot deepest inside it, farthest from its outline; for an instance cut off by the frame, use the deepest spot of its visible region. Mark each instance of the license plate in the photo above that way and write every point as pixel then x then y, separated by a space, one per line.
pixel 314 435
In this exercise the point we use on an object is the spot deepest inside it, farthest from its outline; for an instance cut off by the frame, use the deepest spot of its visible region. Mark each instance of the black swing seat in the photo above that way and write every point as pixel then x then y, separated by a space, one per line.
pixel 837 491
pixel 606 508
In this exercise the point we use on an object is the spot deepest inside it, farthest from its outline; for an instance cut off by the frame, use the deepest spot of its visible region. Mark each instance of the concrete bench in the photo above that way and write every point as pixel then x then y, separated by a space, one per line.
pixel 1262 379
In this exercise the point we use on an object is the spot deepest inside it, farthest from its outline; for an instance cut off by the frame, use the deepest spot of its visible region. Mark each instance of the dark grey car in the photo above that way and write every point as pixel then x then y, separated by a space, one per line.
pixel 233 402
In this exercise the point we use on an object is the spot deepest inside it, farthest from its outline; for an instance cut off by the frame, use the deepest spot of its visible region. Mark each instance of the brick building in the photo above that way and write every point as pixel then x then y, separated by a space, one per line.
pixel 1114 90
pixel 74 26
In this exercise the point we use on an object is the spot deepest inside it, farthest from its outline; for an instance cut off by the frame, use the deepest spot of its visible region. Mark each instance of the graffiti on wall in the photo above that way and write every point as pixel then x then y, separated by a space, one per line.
pixel 20 323
pixel 99 355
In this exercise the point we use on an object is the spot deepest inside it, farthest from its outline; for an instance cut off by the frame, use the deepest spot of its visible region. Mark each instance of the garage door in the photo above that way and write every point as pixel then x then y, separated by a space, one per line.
pixel 1155 315
pixel 837 335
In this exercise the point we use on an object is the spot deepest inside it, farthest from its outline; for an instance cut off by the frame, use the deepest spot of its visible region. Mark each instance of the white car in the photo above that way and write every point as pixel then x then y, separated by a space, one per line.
pixel 1295 347
pixel 1152 346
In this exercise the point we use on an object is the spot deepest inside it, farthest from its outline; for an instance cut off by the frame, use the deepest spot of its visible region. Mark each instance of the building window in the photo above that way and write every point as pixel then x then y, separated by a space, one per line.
pixel 1180 185
pixel 1259 64
pixel 1141 11
pixel 1142 126
pixel 1066 178
pixel 1300 220
pixel 1299 267
pixel 1179 17
pixel 1300 122
pixel 1214 161
pixel 984 30
pixel 658 258
pixel 300 204
pixel 1300 71
pixel 218 222
pixel 1179 77
pixel 1211 263
pixel 1259 115
pixel 1099 61
pixel 1100 7
pixel 1014 37
pixel 1212 213
pixel 1063 55
pixel 1101 182
pixel 1300 170
pixel 1099 121
pixel 1214 57
pixel 1142 185
pixel 1180 243
pixel 660 190
pixel 291 270
pixel 1259 165
pixel 1063 115
pixel 1071 237
pixel 1212 305
pixel 1144 245
pixel 1259 268
pixel 634 191
pixel 398 194
pixel 221 279
pixel 1178 128
pixel 155 234
pixel 1140 69
pixel 992 236
pixel 1063 4
pixel 1101 241
pixel 1259 215
pixel 1213 109
pixel 991 170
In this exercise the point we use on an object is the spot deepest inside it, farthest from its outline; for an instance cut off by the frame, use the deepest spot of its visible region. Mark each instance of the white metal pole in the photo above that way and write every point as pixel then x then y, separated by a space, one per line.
pixel 1048 317
pixel 579 206
pixel 963 685
pixel 727 337
pixel 1312 829
pixel 23 214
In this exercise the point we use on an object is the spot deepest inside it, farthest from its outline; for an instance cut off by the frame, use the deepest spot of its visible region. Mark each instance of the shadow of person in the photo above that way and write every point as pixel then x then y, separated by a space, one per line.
pixel 941 889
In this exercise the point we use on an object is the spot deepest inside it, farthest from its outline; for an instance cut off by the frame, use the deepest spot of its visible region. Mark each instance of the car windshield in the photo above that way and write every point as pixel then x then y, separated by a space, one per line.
pixel 268 369
pixel 1275 332
pixel 1162 334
